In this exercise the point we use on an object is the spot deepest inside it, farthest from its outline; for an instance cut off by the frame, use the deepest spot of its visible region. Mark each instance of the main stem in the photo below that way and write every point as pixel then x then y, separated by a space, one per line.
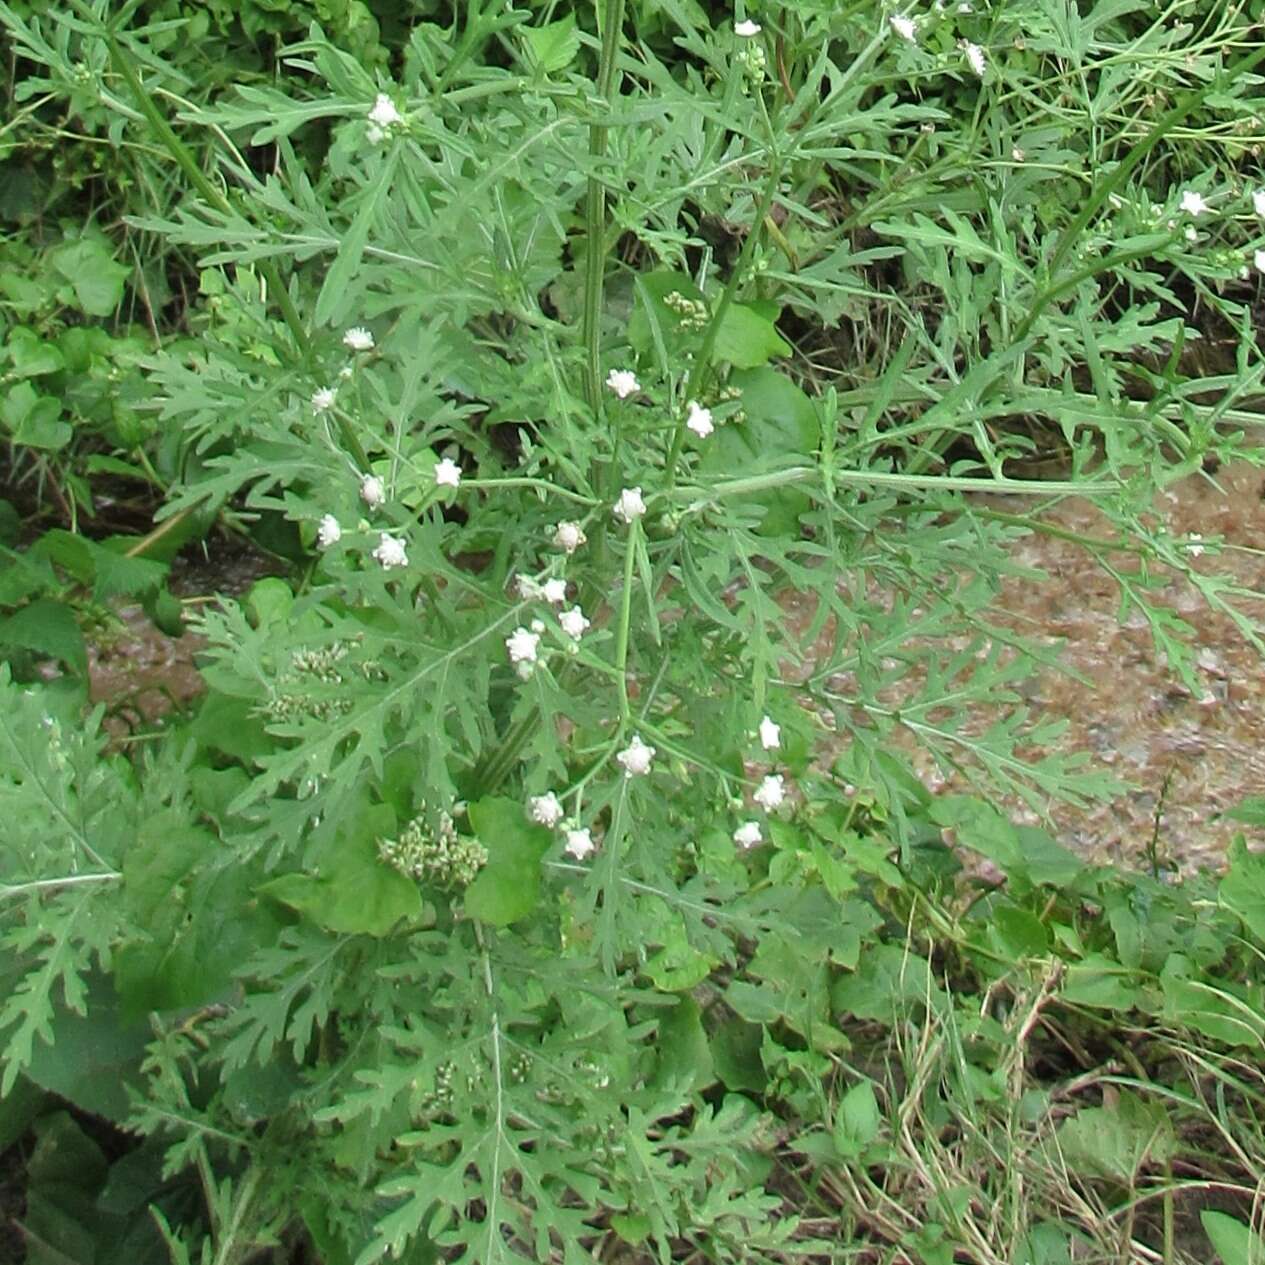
pixel 612 19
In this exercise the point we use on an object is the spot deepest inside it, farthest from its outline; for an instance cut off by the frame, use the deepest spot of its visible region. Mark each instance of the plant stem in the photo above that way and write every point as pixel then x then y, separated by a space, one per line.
pixel 595 205
pixel 625 620
pixel 701 372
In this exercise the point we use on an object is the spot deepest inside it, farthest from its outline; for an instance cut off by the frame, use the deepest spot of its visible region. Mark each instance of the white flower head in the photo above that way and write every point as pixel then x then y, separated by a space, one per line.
pixel 374 134
pixel 635 757
pixel 569 537
pixel 579 844
pixel 975 57
pixel 358 339
pixel 1259 260
pixel 346 373
pixel 554 592
pixel 447 473
pixel 770 734
pixel 623 382
pixel 630 506
pixel 323 399
pixel 538 625
pixel 771 792
pixel 1195 546
pixel 748 834
pixel 329 532
pixel 383 113
pixel 1258 203
pixel 372 491
pixel 528 589
pixel 699 419
pixel 522 645
pixel 390 552
pixel 573 623
pixel 747 28
pixel 905 27
pixel 546 809
pixel 1193 203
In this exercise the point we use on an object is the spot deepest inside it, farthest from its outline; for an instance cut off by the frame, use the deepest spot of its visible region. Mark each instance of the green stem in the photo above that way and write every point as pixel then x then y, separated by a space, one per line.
pixel 230 1250
pixel 625 620
pixel 701 372
pixel 595 205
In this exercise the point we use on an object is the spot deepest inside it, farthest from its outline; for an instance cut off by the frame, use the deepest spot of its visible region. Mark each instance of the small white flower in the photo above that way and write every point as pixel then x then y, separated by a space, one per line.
pixel 630 506
pixel 905 27
pixel 447 473
pixel 329 532
pixel 1195 545
pixel 748 834
pixel 771 792
pixel 521 645
pixel 323 400
pixel 346 373
pixel 1193 203
pixel 374 134
pixel 384 114
pixel 546 809
pixel 1259 260
pixel 538 626
pixel 372 491
pixel 635 757
pixel 390 552
pixel 554 592
pixel 569 537
pixel 579 844
pixel 747 28
pixel 975 57
pixel 573 623
pixel 623 382
pixel 1191 234
pixel 358 339
pixel 770 734
pixel 699 420
pixel 1258 202
pixel 528 589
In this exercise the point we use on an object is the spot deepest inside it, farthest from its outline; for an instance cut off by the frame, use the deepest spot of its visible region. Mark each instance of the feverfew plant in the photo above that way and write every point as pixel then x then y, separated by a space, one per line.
pixel 453 891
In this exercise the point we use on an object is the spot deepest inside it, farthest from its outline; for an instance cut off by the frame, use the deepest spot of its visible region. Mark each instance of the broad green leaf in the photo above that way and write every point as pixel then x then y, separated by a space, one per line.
pixel 1102 983
pixel 1116 1141
pixel 748 339
pixel 48 628
pixel 358 893
pixel 1234 1242
pixel 508 886
pixel 95 276
pixel 1242 890
pixel 1251 811
pixel 551 47
pixel 34 419
pixel 857 1120
pixel 685 1060
pixel 735 1047
pixel 31 356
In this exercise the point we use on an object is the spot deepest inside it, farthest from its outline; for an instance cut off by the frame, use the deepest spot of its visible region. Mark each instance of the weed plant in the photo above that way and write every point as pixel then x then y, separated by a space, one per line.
pixel 530 882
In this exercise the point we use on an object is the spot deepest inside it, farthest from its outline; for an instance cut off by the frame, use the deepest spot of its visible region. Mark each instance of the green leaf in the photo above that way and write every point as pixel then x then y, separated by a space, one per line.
pixel 1234 1242
pixel 1116 1141
pixel 857 1121
pixel 508 886
pixel 747 338
pixel 96 278
pixel 34 419
pixel 48 628
pixel 358 893
pixel 685 1059
pixel 1100 982
pixel 1242 890
pixel 1251 811
pixel 736 1053
pixel 551 47
pixel 31 356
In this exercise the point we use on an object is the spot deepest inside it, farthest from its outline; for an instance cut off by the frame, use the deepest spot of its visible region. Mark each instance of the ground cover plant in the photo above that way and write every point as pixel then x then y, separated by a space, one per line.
pixel 537 878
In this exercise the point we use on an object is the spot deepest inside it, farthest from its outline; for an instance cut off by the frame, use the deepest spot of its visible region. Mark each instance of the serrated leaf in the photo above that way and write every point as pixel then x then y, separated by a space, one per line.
pixel 48 628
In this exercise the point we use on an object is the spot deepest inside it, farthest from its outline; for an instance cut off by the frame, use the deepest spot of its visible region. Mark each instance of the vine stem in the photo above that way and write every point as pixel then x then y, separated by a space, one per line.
pixel 612 20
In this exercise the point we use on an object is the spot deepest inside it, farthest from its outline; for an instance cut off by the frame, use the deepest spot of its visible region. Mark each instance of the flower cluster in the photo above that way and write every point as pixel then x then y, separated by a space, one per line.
pixel 294 699
pixel 440 856
pixel 384 118
pixel 691 313
pixel 547 810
